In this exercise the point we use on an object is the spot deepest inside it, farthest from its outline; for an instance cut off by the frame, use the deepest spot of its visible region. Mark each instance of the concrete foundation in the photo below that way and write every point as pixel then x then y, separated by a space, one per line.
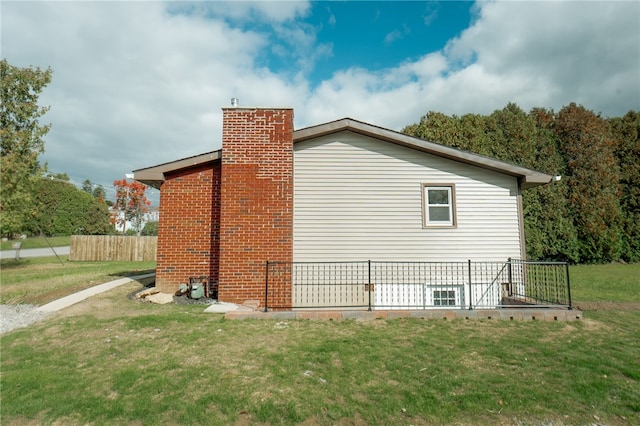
pixel 513 314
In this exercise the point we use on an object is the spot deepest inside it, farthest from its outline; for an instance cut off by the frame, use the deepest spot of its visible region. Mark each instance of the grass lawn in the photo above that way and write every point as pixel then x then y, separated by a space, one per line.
pixel 41 280
pixel 605 283
pixel 112 360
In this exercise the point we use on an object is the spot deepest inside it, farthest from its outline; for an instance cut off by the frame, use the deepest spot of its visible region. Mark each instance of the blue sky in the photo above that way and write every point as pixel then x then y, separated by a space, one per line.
pixel 139 83
pixel 376 35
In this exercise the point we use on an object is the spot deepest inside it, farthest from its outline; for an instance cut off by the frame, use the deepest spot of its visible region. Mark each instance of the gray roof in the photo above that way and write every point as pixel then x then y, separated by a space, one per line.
pixel 529 178
pixel 155 175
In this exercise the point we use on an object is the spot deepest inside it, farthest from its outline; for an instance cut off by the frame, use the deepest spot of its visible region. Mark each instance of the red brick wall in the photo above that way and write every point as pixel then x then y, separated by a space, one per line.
pixel 189 227
pixel 256 219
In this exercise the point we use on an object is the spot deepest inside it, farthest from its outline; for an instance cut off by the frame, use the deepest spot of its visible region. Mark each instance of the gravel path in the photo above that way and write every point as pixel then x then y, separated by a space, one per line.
pixel 17 316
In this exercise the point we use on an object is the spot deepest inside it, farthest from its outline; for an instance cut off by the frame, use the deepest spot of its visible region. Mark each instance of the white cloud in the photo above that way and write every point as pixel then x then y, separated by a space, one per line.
pixel 537 54
pixel 587 52
pixel 299 42
pixel 134 85
pixel 397 34
pixel 332 20
pixel 428 67
pixel 141 83
pixel 393 36
pixel 249 11
pixel 431 13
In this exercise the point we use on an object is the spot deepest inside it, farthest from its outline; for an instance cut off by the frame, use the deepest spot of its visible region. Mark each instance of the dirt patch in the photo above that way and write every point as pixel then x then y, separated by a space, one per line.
pixel 120 300
pixel 108 304
pixel 55 294
pixel 607 306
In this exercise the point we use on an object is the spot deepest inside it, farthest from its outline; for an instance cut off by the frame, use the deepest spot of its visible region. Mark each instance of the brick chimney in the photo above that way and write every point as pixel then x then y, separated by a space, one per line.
pixel 256 210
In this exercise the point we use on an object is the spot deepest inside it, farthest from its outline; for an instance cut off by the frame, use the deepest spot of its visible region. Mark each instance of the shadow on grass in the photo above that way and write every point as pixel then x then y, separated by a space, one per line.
pixel 21 263
pixel 130 273
pixel 8 264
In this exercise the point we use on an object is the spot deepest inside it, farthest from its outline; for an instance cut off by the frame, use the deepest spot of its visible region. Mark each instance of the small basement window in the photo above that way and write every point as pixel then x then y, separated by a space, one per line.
pixel 444 298
pixel 444 295
pixel 439 205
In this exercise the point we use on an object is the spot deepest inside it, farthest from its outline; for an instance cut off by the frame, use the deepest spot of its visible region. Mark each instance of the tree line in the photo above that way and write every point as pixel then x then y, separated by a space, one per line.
pixel 60 208
pixel 592 215
pixel 35 202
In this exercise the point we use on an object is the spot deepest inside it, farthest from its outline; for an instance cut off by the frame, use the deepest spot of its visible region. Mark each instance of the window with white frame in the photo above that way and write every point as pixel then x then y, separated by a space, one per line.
pixel 439 205
pixel 444 296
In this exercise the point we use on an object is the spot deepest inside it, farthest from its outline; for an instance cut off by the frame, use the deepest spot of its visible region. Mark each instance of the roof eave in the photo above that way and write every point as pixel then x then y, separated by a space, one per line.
pixel 535 179
pixel 155 176
pixel 149 178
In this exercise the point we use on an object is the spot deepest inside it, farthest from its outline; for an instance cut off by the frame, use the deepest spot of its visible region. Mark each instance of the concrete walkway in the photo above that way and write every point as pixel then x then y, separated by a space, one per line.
pixel 72 299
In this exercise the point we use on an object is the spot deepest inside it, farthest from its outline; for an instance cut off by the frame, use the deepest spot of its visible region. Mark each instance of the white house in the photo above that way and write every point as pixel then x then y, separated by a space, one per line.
pixel 343 191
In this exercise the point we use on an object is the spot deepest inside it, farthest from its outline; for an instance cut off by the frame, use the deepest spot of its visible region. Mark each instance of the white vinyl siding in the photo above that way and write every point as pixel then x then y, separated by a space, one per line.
pixel 359 198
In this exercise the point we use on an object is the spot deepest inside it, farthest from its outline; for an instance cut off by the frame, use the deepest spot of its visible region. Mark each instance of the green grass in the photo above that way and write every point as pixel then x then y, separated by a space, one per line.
pixel 178 365
pixel 42 280
pixel 613 282
pixel 111 360
pixel 38 242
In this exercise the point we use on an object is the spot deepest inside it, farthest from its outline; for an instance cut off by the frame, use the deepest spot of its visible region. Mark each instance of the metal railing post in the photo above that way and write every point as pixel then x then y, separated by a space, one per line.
pixel 470 289
pixel 369 281
pixel 266 286
pixel 510 277
pixel 566 265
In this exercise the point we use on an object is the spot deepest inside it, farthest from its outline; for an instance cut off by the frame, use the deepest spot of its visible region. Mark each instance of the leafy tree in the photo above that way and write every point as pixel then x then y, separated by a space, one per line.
pixel 21 136
pixel 593 177
pixel 131 204
pixel 466 132
pixel 626 131
pixel 58 176
pixel 63 209
pixel 523 139
pixel 549 229
pixel 97 191
pixel 150 229
pixel 87 186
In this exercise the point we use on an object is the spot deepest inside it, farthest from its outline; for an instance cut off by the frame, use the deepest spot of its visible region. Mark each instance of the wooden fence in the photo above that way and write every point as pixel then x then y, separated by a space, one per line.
pixel 112 247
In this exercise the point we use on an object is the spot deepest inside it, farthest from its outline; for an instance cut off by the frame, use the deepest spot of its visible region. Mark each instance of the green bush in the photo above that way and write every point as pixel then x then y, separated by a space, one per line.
pixel 63 209
pixel 150 229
